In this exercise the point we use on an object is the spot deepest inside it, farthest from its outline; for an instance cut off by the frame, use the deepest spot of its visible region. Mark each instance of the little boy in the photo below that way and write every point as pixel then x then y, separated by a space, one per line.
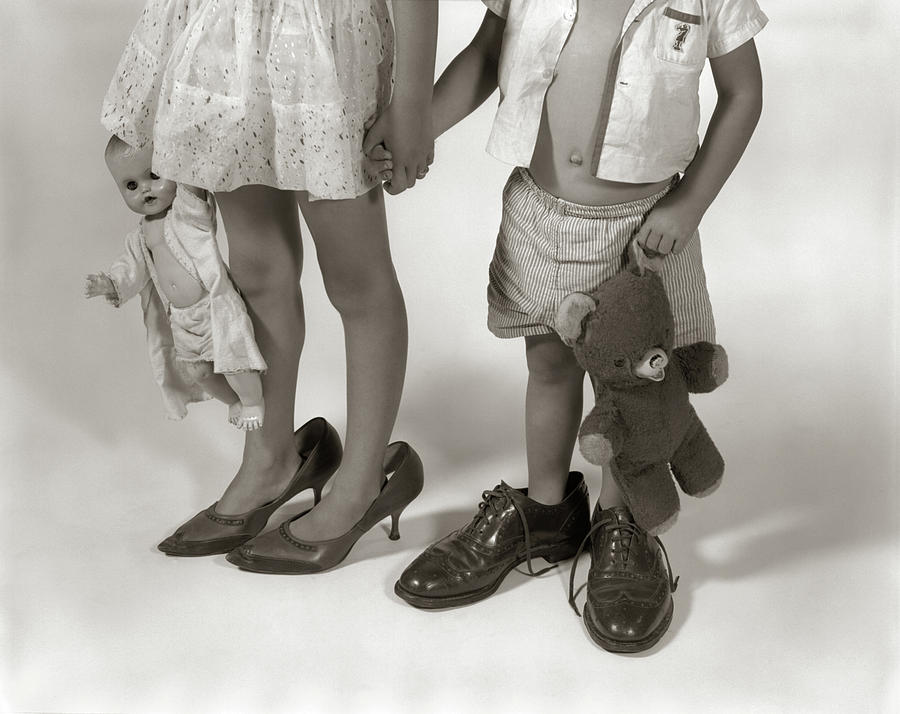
pixel 599 112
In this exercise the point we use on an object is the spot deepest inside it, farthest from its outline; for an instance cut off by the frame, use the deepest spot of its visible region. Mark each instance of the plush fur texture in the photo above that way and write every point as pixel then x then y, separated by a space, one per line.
pixel 644 428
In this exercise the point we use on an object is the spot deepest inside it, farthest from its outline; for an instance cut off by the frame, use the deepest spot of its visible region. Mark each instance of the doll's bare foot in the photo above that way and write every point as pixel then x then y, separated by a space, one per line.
pixel 251 417
pixel 234 414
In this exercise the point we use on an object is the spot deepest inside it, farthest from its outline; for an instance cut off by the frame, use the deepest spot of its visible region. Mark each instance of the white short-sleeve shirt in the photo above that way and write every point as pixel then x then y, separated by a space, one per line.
pixel 650 113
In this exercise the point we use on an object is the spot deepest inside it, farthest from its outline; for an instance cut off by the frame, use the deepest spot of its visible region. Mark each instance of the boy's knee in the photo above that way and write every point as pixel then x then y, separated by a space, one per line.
pixel 549 360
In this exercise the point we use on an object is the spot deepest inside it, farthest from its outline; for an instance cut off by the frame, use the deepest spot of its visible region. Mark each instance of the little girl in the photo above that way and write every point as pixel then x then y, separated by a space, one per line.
pixel 265 102
pixel 198 331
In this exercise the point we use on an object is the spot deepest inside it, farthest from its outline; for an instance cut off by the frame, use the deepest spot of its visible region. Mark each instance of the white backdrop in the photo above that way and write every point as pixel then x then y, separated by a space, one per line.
pixel 789 594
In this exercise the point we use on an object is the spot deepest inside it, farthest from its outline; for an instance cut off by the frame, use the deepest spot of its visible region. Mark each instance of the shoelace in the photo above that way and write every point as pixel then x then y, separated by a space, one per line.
pixel 631 532
pixel 495 501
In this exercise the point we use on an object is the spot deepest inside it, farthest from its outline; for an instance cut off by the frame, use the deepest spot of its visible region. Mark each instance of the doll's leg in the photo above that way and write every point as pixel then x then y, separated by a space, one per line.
pixel 263 229
pixel 352 247
pixel 215 385
pixel 553 405
pixel 248 387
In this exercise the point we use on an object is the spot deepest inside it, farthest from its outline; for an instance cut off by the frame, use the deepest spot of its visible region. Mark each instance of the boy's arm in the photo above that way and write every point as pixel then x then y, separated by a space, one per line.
pixel 404 127
pixel 471 77
pixel 672 222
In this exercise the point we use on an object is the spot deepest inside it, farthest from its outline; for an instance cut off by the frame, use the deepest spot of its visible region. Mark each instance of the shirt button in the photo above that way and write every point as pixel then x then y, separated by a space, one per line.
pixel 548 74
pixel 569 14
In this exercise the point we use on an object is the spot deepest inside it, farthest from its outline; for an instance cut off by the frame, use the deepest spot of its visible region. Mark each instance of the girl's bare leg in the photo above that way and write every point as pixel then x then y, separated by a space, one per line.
pixel 352 246
pixel 265 255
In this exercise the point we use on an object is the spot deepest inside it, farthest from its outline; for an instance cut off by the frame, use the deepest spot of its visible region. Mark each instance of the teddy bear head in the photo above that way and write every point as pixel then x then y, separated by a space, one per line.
pixel 622 333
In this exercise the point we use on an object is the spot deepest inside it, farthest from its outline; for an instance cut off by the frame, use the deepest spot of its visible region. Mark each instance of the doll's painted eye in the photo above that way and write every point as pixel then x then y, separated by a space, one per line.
pixel 154 176
pixel 131 185
pixel 619 362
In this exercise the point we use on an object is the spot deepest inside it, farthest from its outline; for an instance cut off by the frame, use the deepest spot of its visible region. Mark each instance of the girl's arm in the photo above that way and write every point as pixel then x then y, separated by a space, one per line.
pixel 405 126
pixel 672 222
pixel 470 78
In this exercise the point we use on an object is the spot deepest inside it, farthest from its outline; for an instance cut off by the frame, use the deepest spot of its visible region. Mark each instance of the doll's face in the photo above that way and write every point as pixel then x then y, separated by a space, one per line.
pixel 144 192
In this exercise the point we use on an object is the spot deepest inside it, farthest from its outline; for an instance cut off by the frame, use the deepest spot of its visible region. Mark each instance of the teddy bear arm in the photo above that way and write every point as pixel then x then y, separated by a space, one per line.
pixel 703 364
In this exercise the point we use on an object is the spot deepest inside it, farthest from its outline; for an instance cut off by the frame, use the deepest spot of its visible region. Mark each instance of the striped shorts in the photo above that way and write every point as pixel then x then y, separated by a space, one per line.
pixel 548 248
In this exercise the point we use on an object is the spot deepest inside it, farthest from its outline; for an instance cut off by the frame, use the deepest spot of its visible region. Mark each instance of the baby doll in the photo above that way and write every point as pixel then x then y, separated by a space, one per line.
pixel 199 335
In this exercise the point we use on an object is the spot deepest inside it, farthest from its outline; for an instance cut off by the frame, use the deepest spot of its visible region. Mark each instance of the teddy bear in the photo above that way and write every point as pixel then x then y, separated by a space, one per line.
pixel 642 423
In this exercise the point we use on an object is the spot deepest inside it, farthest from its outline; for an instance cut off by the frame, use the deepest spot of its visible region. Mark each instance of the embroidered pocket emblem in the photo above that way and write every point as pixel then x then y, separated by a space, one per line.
pixel 681 31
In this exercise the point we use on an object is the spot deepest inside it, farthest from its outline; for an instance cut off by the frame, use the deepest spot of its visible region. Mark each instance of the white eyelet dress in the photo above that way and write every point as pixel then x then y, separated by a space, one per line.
pixel 272 92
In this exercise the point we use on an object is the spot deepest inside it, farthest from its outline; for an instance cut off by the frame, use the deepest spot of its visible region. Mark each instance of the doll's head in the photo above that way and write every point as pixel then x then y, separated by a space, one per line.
pixel 144 192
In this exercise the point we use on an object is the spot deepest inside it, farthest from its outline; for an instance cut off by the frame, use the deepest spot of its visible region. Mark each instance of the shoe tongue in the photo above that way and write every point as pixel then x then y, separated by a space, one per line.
pixel 515 493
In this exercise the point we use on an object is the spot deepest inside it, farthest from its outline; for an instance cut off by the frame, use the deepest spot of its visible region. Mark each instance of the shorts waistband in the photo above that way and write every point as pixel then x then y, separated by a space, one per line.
pixel 613 210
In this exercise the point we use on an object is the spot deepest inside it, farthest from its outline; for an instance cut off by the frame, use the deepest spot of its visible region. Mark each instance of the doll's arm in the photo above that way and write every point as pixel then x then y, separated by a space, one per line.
pixel 128 274
pixel 602 432
pixel 100 285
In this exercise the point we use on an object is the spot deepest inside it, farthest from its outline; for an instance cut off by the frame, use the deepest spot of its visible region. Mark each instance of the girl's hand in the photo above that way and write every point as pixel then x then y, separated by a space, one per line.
pixel 405 130
pixel 669 226
pixel 100 285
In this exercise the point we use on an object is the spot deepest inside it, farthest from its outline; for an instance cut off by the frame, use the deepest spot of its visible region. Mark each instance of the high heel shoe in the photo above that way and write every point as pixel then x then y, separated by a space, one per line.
pixel 277 551
pixel 211 533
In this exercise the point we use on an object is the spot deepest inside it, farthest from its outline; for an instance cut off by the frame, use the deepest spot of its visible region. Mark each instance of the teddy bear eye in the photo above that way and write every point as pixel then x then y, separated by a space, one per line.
pixel 619 362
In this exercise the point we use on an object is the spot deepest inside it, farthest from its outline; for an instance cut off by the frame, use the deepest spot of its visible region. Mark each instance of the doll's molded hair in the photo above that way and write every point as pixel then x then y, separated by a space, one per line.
pixel 117 147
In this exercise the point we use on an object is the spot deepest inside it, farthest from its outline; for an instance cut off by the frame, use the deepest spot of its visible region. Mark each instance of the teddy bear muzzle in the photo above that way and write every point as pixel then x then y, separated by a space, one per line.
pixel 652 365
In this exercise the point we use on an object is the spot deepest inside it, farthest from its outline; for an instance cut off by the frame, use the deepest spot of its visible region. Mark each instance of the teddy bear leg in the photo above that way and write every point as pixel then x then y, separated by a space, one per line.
pixel 704 366
pixel 649 494
pixel 697 464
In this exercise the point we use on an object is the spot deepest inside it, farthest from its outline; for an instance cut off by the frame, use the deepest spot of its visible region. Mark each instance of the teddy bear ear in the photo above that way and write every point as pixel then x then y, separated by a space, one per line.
pixel 639 262
pixel 572 311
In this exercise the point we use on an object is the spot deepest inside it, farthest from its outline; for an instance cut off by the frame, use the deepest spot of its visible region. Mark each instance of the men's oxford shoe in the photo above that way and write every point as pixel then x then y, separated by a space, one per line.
pixel 508 529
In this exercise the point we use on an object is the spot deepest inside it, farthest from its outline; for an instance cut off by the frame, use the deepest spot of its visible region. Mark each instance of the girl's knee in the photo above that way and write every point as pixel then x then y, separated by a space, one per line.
pixel 363 291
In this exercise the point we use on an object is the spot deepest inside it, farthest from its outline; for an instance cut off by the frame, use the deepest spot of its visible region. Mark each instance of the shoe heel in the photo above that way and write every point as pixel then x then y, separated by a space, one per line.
pixel 395 522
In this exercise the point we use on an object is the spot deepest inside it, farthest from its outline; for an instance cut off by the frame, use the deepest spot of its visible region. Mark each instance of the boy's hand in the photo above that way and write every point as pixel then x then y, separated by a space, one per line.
pixel 405 130
pixel 379 163
pixel 669 226
pixel 100 285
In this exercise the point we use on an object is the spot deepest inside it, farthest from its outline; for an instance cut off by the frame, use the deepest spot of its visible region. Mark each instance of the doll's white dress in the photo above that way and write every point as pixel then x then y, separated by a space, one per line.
pixel 189 231
pixel 272 92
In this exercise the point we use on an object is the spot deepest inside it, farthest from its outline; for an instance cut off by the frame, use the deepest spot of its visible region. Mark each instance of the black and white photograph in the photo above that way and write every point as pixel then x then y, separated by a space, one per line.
pixel 450 356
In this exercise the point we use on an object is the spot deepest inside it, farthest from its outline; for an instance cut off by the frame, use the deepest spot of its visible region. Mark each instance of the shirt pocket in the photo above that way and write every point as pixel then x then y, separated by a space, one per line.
pixel 681 37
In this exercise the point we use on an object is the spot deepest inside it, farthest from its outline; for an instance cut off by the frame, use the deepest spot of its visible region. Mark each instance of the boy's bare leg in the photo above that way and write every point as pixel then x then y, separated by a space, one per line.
pixel 553 406
pixel 352 246
pixel 610 494
pixel 248 387
pixel 265 256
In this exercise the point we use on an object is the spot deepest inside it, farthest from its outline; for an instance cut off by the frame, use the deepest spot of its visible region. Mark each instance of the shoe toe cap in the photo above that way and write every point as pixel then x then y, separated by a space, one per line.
pixel 626 622
pixel 426 577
